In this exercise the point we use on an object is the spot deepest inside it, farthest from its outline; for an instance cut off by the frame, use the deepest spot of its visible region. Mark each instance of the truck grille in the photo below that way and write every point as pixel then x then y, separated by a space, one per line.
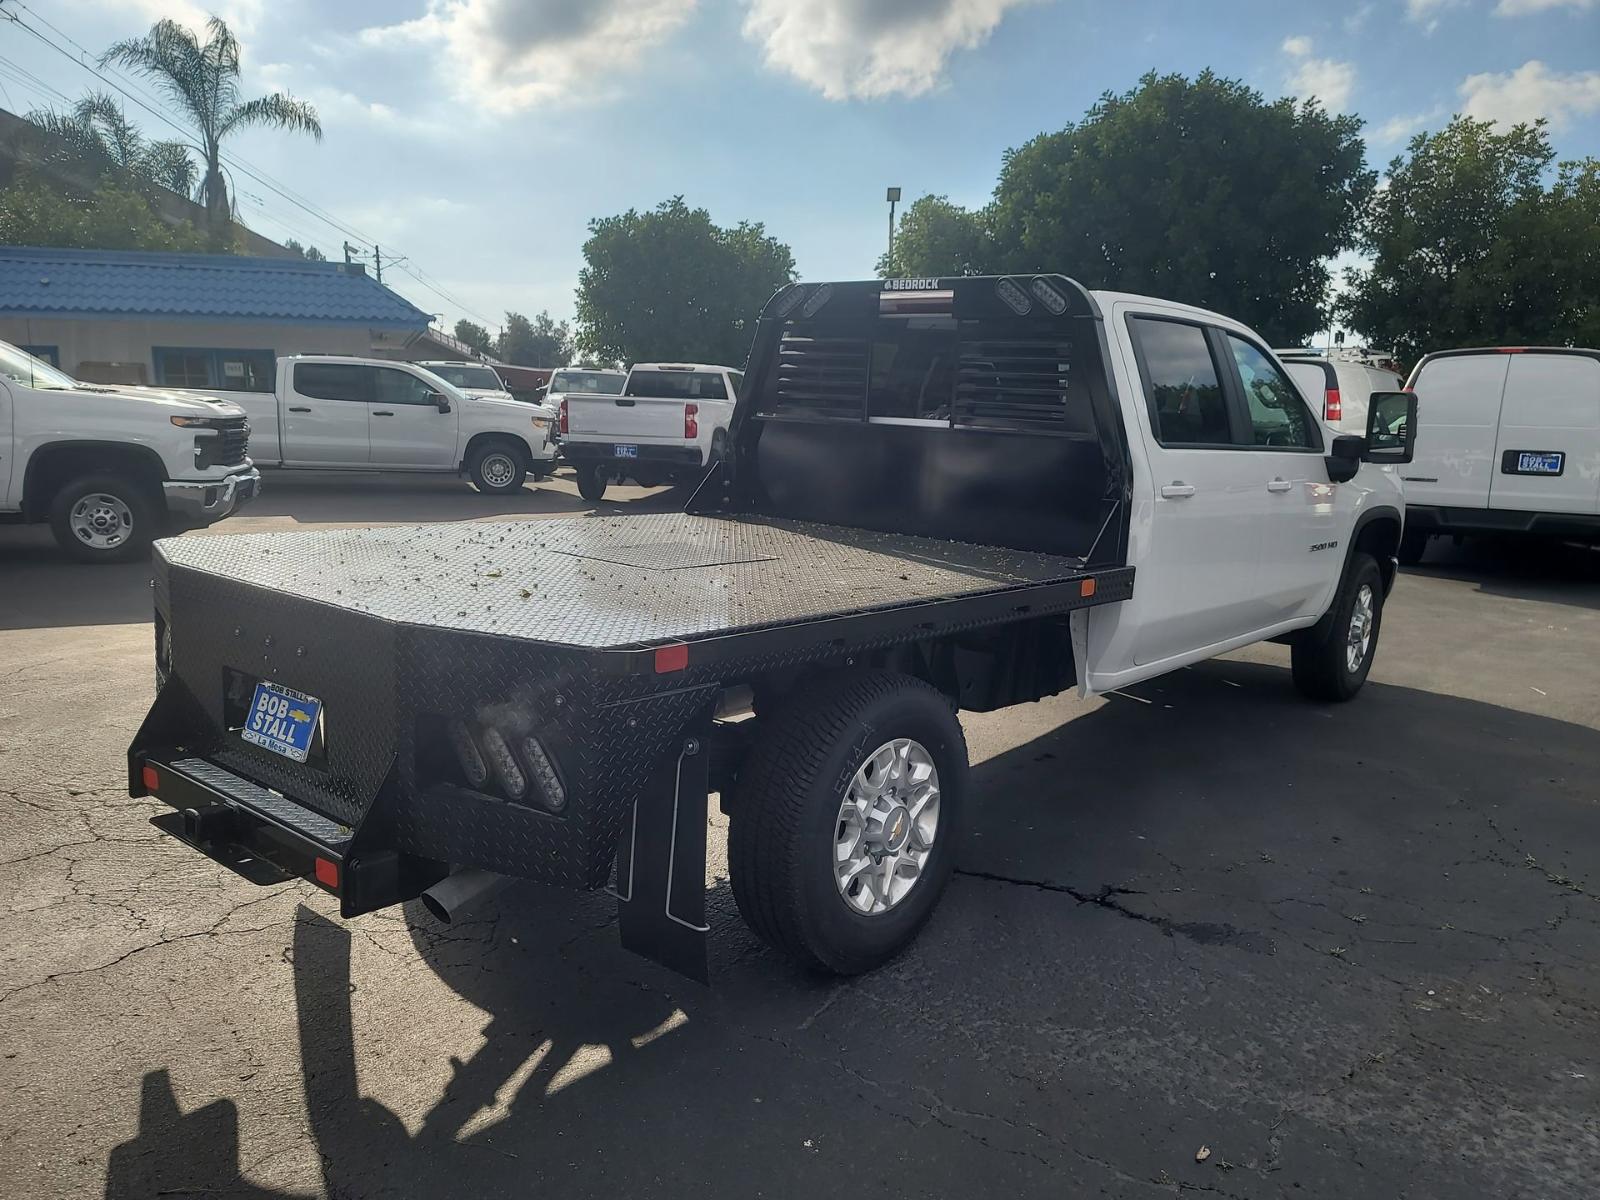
pixel 226 447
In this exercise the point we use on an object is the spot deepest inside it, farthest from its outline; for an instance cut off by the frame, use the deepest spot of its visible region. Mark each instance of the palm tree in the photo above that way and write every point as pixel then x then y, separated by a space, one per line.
pixel 203 81
pixel 96 139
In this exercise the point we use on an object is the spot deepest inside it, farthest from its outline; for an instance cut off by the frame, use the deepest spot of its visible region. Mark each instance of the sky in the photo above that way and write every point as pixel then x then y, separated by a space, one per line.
pixel 476 139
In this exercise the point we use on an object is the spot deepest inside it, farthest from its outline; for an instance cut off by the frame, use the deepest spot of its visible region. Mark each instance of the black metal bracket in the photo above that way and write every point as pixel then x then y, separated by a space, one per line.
pixel 661 861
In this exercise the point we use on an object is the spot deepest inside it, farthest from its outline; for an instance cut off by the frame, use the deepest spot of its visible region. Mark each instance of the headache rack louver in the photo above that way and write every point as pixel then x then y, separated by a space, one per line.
pixel 1014 383
pixel 821 375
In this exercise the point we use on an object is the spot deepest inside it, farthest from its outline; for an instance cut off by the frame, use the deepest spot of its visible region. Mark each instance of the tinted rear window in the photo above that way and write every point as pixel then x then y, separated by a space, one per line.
pixel 595 382
pixel 678 385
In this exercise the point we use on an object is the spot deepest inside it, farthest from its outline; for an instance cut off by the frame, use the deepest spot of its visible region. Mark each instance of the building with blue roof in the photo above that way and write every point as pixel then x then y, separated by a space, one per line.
pixel 211 321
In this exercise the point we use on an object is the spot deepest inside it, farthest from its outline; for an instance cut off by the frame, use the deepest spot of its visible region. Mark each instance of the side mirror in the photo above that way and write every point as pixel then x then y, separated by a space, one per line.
pixel 1344 457
pixel 440 401
pixel 1391 428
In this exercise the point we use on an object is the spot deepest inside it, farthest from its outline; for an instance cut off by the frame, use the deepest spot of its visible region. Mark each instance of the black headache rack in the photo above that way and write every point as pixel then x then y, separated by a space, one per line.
pixel 538 698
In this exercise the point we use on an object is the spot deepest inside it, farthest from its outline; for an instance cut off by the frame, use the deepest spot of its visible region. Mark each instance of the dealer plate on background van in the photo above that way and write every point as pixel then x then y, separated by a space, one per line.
pixel 1540 462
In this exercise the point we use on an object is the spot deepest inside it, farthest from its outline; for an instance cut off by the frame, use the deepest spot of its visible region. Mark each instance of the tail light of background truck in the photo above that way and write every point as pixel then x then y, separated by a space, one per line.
pixel 564 428
pixel 691 422
pixel 1332 405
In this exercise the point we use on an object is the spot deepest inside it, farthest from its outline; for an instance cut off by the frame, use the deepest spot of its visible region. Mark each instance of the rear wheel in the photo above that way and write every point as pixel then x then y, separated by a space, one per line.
pixel 498 468
pixel 845 819
pixel 105 518
pixel 1332 658
pixel 592 481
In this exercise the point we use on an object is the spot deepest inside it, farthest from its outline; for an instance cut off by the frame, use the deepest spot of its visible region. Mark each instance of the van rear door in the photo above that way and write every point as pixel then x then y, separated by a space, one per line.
pixel 1547 457
pixel 1458 416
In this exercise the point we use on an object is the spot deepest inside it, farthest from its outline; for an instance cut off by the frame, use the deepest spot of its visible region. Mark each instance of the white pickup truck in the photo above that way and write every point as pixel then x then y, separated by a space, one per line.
pixel 668 424
pixel 936 495
pixel 365 414
pixel 111 468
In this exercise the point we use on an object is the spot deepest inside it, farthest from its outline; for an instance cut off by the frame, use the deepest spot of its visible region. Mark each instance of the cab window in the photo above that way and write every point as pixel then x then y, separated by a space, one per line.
pixel 402 387
pixel 334 381
pixel 1278 416
pixel 1182 385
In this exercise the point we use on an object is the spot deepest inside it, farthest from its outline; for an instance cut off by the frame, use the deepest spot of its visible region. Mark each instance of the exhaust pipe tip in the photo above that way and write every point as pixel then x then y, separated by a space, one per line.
pixel 458 894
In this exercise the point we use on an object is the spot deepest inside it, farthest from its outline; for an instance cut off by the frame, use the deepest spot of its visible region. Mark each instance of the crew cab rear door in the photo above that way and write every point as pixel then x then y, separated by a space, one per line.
pixel 1547 453
pixel 322 407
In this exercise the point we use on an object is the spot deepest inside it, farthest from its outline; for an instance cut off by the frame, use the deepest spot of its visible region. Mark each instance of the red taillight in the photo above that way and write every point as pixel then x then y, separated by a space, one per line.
pixel 149 778
pixel 671 658
pixel 1332 405
pixel 327 872
pixel 564 428
pixel 691 425
pixel 1513 349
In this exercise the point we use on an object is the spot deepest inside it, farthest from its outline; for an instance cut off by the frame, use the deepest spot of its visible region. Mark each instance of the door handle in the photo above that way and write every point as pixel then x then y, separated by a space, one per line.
pixel 383 413
pixel 1177 490
pixel 299 410
pixel 624 403
pixel 1279 485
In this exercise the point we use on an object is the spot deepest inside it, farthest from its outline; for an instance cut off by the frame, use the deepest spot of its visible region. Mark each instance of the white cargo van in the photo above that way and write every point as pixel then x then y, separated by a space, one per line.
pixel 1338 389
pixel 1508 441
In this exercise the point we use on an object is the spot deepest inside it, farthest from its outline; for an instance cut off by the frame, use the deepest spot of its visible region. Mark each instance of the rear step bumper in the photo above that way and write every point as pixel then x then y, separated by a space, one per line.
pixel 267 837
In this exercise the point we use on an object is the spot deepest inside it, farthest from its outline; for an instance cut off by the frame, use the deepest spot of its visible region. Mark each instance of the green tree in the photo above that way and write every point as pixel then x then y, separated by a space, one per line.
pixel 38 212
pixel 540 342
pixel 1194 190
pixel 202 81
pixel 936 237
pixel 670 284
pixel 95 141
pixel 309 253
pixel 474 335
pixel 1470 245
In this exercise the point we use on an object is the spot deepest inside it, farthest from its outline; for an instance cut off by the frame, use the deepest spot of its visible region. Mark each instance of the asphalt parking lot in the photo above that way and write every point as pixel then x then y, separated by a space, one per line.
pixel 1350 951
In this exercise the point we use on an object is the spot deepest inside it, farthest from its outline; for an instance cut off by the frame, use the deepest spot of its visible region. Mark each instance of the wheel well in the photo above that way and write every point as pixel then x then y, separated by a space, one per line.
pixel 479 440
pixel 1380 537
pixel 52 467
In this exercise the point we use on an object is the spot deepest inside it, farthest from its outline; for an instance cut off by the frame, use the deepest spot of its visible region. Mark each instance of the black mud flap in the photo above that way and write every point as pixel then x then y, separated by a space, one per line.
pixel 661 863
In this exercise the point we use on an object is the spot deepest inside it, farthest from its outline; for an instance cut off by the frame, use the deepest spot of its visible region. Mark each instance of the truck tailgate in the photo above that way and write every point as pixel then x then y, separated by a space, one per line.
pixel 626 418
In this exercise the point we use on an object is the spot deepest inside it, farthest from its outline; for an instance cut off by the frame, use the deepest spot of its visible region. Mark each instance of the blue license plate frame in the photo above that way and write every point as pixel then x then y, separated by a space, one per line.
pixel 624 450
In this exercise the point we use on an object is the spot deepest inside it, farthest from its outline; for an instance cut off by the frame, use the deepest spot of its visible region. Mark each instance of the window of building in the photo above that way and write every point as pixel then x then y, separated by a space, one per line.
pixel 1181 383
pixel 50 354
pixel 215 370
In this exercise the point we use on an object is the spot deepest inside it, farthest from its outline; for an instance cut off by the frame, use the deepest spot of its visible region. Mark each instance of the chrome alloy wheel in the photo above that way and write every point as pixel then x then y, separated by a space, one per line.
pixel 1359 640
pixel 101 521
pixel 886 827
pixel 498 470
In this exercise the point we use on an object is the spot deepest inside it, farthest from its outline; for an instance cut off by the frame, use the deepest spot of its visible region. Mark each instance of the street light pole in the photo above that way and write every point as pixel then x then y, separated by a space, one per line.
pixel 893 196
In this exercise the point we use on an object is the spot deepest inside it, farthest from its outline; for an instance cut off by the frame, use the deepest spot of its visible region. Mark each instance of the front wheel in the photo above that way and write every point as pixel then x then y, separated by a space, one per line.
pixel 1331 659
pixel 105 518
pixel 845 819
pixel 498 468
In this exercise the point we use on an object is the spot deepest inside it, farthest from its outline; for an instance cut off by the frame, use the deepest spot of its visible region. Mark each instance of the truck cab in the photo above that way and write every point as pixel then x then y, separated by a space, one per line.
pixel 668 423
pixel 113 467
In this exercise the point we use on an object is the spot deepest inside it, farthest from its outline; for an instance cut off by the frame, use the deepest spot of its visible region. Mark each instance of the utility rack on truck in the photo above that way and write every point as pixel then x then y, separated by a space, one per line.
pixel 924 481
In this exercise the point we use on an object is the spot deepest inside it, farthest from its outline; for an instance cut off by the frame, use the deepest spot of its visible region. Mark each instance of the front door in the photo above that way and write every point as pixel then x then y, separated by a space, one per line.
pixel 407 428
pixel 323 411
pixel 1197 577
pixel 1300 512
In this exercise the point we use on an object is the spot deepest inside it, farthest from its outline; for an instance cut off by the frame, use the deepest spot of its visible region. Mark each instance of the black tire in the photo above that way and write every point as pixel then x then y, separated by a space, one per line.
pixel 540 474
pixel 133 518
pixel 1320 657
pixel 719 447
pixel 1413 545
pixel 499 467
pixel 785 816
pixel 592 481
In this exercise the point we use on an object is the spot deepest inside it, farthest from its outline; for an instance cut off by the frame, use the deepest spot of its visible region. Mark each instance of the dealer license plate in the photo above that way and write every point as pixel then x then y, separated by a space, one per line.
pixel 622 451
pixel 1531 462
pixel 282 720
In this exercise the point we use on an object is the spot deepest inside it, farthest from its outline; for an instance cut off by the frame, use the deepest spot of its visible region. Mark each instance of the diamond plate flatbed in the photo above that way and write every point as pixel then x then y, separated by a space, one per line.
pixel 628 583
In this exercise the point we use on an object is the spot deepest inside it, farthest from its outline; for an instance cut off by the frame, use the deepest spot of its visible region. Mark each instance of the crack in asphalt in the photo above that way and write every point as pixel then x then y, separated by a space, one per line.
pixel 1205 933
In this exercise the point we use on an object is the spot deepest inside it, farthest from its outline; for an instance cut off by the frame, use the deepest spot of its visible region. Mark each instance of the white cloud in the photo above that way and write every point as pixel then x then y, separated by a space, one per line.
pixel 866 49
pixel 242 16
pixel 1400 128
pixel 1426 12
pixel 510 54
pixel 1357 20
pixel 1329 81
pixel 1533 90
pixel 1523 8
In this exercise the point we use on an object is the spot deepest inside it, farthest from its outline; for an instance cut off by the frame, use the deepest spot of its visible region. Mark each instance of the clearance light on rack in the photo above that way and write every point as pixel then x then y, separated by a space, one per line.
pixel 1049 296
pixel 1014 298
pixel 905 303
